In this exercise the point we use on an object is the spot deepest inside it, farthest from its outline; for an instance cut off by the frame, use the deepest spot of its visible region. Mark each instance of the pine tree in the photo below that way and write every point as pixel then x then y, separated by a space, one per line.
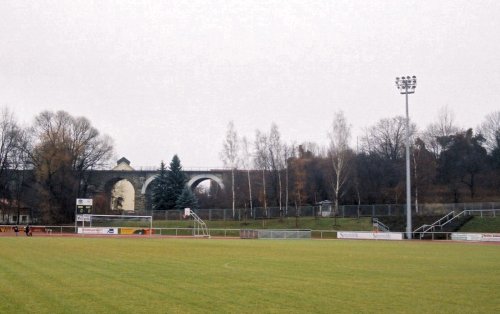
pixel 186 200
pixel 176 181
pixel 160 190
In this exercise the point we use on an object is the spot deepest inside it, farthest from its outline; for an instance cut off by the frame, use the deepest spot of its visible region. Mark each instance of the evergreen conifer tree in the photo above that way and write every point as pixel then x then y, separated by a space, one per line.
pixel 176 182
pixel 186 200
pixel 160 189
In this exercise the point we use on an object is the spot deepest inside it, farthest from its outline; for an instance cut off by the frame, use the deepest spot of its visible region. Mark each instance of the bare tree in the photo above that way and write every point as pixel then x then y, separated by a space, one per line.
pixel 299 172
pixel 245 162
pixel 12 159
pixel 277 162
pixel 65 148
pixel 261 161
pixel 339 135
pixel 10 135
pixel 288 152
pixel 386 138
pixel 443 126
pixel 490 129
pixel 229 156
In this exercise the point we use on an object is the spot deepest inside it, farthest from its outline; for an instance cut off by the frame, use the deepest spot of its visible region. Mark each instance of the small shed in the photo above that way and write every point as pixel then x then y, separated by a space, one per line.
pixel 325 208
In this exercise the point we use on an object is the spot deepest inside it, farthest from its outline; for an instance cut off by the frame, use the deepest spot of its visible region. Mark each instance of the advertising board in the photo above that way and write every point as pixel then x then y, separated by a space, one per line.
pixel 485 237
pixel 82 217
pixel 91 230
pixel 370 235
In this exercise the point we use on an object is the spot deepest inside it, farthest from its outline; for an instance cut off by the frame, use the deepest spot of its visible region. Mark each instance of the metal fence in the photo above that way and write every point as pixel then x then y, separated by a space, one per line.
pixel 185 232
pixel 345 211
pixel 226 233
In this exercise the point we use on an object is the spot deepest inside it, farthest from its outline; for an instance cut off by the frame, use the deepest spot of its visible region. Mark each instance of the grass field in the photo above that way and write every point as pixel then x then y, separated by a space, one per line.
pixel 143 275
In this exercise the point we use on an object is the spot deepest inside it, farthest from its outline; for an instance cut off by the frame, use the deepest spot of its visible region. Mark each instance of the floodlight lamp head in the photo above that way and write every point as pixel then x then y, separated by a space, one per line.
pixel 406 84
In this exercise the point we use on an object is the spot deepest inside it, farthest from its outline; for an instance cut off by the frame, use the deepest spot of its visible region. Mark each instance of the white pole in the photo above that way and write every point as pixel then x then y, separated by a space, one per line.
pixel 408 185
pixel 407 85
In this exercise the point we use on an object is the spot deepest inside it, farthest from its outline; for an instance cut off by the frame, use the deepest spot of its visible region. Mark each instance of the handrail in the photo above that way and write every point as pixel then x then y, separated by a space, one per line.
pixel 380 225
pixel 439 223
pixel 434 224
pixel 462 213
pixel 427 228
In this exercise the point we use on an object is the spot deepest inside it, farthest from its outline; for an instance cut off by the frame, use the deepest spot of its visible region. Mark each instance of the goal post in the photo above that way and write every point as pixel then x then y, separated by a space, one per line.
pixel 117 225
pixel 200 227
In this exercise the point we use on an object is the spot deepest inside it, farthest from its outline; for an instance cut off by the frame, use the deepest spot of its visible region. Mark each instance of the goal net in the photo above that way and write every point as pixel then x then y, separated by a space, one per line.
pixel 117 224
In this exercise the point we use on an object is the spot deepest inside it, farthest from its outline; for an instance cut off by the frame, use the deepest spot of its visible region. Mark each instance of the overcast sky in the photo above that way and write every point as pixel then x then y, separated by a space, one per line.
pixel 166 77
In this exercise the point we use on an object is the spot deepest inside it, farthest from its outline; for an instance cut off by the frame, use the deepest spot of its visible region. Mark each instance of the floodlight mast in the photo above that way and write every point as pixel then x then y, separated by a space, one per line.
pixel 407 85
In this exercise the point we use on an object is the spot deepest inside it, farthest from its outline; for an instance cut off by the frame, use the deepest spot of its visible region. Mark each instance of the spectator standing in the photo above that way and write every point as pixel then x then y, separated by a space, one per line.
pixel 16 230
pixel 27 230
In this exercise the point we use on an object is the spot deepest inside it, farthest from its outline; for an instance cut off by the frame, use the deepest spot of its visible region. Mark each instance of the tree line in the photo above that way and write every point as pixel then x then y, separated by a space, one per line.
pixel 44 165
pixel 448 164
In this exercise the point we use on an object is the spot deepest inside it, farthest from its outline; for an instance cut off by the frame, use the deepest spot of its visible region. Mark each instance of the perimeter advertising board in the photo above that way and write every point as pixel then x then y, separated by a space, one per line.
pixel 370 235
pixel 91 230
pixel 83 218
pixel 484 237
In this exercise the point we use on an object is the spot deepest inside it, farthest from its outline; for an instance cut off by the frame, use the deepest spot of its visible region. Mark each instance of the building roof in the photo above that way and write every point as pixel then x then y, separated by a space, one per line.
pixel 123 160
pixel 123 164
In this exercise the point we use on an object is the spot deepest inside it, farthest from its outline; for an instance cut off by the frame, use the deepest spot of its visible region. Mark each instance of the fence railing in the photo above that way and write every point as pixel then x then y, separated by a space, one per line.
pixel 214 232
pixel 175 232
pixel 451 216
pixel 345 211
pixel 483 212
pixel 426 228
pixel 433 235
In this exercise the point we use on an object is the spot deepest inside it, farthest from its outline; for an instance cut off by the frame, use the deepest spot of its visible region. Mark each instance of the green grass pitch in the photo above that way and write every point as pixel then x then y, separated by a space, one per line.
pixel 164 275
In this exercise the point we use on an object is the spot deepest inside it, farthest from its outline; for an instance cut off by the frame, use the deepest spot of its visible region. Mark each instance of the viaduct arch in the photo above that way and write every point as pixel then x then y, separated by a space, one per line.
pixel 102 181
pixel 192 183
pixel 197 179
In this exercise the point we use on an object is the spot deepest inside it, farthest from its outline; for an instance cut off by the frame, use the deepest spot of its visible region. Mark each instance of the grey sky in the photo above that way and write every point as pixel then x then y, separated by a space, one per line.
pixel 165 77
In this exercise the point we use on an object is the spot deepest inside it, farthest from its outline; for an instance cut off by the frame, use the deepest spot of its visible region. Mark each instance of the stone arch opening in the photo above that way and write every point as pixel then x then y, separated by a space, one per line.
pixel 121 195
pixel 147 184
pixel 196 180
pixel 207 189
pixel 192 183
pixel 207 198
pixel 146 190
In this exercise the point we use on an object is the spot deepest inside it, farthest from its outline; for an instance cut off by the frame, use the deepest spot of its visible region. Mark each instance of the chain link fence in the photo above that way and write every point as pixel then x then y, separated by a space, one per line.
pixel 345 211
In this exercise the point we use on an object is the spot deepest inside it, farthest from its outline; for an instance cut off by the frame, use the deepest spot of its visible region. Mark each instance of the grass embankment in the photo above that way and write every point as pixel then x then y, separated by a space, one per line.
pixel 361 224
pixel 482 224
pixel 477 224
pixel 116 275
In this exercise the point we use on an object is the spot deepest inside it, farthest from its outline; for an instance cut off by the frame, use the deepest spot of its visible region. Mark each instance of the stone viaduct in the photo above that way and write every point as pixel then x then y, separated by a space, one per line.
pixel 103 181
